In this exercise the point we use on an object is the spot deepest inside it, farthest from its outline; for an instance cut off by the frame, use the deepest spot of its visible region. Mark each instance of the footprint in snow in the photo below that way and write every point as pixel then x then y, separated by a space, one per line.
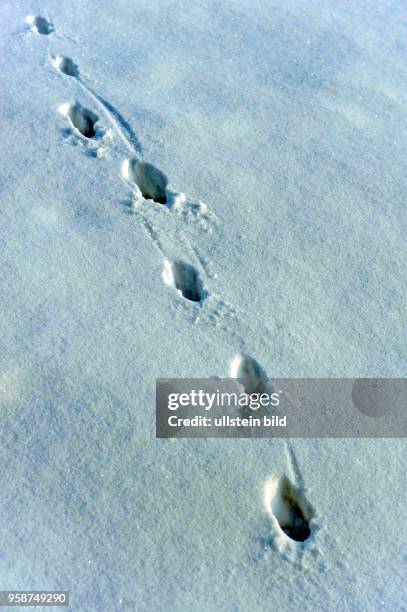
pixel 85 129
pixel 289 510
pixel 65 65
pixel 185 278
pixel 40 25
pixel 81 118
pixel 249 373
pixel 150 181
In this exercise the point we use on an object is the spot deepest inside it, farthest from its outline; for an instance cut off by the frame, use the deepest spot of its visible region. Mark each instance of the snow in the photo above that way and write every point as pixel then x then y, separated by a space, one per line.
pixel 279 127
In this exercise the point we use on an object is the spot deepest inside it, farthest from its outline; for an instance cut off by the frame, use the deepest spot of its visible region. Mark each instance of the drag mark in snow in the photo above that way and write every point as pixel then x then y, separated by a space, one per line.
pixel 81 118
pixel 185 278
pixel 203 262
pixel 68 67
pixel 121 126
pixel 293 466
pixel 152 232
pixel 39 24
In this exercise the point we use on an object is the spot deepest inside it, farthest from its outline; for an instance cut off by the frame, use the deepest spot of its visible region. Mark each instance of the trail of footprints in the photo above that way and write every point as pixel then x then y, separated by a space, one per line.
pixel 147 182
pixel 292 516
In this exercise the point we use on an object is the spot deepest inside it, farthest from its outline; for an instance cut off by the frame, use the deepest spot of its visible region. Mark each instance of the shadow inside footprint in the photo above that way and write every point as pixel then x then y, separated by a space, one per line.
pixel 39 24
pixel 185 279
pixel 289 507
pixel 149 179
pixel 82 118
pixel 65 65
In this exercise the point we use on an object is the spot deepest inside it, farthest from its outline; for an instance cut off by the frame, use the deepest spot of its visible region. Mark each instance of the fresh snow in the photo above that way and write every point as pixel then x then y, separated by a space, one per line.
pixel 275 133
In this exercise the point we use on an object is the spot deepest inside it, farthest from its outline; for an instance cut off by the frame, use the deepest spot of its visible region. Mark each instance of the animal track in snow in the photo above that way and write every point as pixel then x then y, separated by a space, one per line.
pixel 81 118
pixel 39 24
pixel 147 181
pixel 151 182
pixel 248 372
pixel 191 211
pixel 185 279
pixel 290 511
pixel 65 65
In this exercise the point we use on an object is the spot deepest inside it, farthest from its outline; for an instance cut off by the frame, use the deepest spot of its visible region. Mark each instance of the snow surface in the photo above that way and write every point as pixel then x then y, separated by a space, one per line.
pixel 280 127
